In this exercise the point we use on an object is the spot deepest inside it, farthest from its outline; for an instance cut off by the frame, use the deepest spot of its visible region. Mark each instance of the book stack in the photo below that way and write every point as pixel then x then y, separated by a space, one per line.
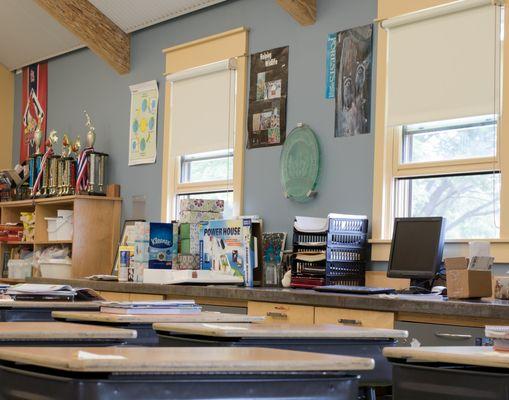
pixel 499 335
pixel 166 307
pixel 41 292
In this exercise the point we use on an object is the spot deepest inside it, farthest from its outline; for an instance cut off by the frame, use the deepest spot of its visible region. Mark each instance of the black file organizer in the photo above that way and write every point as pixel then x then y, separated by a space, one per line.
pixel 346 251
pixel 307 274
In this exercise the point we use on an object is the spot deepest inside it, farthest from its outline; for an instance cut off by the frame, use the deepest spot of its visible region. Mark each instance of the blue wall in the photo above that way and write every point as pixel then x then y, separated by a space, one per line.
pixel 80 80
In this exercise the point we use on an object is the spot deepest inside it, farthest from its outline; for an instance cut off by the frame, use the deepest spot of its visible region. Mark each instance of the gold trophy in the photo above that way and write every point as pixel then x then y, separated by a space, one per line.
pixel 49 184
pixel 96 179
pixel 34 163
pixel 66 169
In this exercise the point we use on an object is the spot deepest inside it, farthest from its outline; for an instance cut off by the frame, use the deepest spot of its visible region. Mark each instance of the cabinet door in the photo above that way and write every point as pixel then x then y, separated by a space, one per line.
pixel 281 313
pixel 115 296
pixel 442 335
pixel 346 316
pixel 145 297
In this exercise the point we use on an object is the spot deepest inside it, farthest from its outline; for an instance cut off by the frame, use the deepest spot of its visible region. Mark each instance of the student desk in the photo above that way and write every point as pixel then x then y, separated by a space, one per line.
pixel 183 373
pixel 61 334
pixel 11 311
pixel 324 338
pixel 143 323
pixel 449 373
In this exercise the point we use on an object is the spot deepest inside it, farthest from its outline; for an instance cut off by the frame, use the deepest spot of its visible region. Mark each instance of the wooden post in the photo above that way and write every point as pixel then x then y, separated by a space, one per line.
pixel 96 30
pixel 303 11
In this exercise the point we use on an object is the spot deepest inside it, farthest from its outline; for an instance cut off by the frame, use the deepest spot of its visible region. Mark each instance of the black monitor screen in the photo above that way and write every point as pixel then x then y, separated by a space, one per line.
pixel 416 249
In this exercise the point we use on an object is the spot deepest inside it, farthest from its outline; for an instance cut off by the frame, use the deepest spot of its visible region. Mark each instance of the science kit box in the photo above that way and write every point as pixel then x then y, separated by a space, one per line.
pixel 163 245
pixel 228 247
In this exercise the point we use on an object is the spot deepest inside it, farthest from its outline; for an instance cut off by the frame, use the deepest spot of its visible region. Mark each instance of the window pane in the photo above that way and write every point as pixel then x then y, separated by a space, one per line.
pixel 470 203
pixel 449 140
pixel 207 168
pixel 227 196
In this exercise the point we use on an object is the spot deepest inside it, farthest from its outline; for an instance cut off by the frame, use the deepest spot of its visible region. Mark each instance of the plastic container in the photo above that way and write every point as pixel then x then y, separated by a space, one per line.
pixel 56 268
pixel 61 227
pixel 19 269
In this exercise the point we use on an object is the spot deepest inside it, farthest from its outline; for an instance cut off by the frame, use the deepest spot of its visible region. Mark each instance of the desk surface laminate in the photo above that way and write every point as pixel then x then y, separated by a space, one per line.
pixel 183 359
pixel 463 355
pixel 54 331
pixel 205 316
pixel 84 305
pixel 279 331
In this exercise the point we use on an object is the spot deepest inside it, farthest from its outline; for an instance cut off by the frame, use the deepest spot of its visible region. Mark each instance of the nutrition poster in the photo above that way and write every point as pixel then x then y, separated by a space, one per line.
pixel 143 123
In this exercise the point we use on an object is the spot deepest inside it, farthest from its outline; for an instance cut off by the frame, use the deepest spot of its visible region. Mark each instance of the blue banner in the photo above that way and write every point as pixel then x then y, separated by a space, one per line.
pixel 330 73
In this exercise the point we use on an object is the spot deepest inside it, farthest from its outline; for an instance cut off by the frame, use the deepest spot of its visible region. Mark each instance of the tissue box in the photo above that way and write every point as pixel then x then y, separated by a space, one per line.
pixel 163 244
pixel 464 283
pixel 188 261
pixel 216 206
pixel 193 217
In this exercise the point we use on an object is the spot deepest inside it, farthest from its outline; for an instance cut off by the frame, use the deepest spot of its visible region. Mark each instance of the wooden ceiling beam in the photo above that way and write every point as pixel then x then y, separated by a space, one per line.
pixel 95 29
pixel 303 11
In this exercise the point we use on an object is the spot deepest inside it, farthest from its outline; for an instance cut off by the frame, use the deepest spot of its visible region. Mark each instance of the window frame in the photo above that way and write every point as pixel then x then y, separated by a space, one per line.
pixel 227 45
pixel 388 144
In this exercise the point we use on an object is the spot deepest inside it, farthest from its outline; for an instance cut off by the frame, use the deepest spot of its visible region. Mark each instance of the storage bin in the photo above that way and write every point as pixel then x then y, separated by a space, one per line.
pixel 19 269
pixel 56 268
pixel 61 227
pixel 345 273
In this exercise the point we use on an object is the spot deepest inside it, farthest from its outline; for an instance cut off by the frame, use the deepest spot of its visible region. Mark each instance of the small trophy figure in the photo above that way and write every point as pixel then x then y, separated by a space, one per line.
pixel 38 138
pixel 34 163
pixel 90 138
pixel 66 146
pixel 75 147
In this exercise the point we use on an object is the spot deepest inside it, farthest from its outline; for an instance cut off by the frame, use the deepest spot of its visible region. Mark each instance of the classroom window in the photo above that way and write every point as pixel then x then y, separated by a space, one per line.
pixel 205 122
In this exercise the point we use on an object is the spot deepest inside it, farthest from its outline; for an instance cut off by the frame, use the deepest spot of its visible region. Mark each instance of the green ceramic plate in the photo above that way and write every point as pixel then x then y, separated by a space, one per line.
pixel 300 164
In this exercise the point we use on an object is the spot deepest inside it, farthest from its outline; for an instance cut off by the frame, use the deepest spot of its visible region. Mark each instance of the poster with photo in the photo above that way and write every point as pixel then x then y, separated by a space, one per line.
pixel 143 123
pixel 267 98
pixel 354 58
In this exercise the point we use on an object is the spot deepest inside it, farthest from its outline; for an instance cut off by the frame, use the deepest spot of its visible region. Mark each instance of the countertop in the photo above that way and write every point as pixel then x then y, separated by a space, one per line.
pixel 497 309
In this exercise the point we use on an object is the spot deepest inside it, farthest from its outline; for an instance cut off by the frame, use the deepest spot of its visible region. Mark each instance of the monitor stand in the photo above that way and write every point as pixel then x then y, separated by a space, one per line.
pixel 418 286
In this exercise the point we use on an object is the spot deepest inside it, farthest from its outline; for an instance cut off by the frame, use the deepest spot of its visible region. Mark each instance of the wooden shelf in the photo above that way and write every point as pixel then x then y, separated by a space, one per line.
pixel 53 242
pixel 55 200
pixel 17 242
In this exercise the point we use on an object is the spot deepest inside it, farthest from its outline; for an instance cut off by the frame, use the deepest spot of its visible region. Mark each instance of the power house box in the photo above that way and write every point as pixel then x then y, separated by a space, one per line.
pixel 228 247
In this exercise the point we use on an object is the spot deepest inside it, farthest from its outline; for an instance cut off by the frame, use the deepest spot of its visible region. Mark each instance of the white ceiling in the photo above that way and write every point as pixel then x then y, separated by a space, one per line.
pixel 28 34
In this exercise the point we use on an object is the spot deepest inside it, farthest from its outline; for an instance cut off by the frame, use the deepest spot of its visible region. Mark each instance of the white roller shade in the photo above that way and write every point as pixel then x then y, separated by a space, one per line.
pixel 202 108
pixel 443 63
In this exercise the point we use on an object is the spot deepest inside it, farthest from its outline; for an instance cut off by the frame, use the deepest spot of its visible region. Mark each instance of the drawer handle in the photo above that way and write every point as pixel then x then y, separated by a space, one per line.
pixel 277 315
pixel 281 308
pixel 350 321
pixel 453 336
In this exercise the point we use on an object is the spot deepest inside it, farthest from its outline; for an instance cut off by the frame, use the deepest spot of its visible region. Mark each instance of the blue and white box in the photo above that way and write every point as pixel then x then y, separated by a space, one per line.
pixel 163 245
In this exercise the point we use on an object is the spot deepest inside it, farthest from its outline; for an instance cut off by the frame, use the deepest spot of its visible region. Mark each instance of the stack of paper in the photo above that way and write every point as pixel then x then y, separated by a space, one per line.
pixel 152 307
pixel 32 291
pixel 500 336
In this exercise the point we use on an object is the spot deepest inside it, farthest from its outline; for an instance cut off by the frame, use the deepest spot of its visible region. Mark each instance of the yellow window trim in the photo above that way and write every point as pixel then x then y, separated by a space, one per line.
pixel 222 46
pixel 387 164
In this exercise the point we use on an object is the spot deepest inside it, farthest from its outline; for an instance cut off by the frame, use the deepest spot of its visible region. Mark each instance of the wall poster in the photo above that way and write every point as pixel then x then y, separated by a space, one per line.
pixel 354 57
pixel 267 98
pixel 34 97
pixel 143 123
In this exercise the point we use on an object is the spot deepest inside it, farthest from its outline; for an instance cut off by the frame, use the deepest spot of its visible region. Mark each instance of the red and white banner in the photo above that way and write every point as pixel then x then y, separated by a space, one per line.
pixel 33 108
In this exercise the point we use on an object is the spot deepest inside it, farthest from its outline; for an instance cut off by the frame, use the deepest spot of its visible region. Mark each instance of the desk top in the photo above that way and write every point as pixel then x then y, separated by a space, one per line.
pixel 60 331
pixel 279 331
pixel 466 355
pixel 180 359
pixel 82 305
pixel 204 316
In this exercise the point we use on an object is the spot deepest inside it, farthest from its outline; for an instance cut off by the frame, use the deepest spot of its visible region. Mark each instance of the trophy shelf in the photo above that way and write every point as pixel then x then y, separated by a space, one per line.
pixel 96 229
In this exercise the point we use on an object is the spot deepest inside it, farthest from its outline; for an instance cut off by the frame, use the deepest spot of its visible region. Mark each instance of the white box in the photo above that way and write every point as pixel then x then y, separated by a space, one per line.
pixel 56 268
pixel 19 269
pixel 61 227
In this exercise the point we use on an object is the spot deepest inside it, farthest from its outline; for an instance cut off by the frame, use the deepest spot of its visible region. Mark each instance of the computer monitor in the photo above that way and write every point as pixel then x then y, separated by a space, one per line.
pixel 417 247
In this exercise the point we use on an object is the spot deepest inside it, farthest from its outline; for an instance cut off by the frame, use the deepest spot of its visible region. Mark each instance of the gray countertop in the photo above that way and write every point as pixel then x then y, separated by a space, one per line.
pixel 498 309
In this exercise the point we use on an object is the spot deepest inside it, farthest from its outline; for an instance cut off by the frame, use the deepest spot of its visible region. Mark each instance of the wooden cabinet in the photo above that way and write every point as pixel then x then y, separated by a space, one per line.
pixel 119 296
pixel 96 229
pixel 281 313
pixel 346 316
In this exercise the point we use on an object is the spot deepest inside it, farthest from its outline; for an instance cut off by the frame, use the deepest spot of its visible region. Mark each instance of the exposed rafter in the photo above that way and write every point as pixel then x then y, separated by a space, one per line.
pixel 303 11
pixel 96 30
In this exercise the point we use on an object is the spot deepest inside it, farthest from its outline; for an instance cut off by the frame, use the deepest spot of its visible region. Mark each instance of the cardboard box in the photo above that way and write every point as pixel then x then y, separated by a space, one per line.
pixel 463 283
